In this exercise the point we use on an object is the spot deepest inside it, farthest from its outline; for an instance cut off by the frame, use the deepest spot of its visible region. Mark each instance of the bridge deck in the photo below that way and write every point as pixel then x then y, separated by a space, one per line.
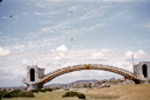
pixel 48 77
pixel 68 69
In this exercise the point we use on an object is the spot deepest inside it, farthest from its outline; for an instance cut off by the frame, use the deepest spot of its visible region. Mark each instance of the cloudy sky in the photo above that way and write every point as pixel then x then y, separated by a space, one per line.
pixel 59 33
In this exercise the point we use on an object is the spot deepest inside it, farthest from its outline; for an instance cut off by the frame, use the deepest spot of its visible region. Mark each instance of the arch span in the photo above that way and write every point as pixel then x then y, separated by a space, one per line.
pixel 48 77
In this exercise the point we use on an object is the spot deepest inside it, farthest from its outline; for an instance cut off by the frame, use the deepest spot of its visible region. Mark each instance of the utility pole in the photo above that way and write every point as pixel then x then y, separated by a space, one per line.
pixel 132 56
pixel 132 59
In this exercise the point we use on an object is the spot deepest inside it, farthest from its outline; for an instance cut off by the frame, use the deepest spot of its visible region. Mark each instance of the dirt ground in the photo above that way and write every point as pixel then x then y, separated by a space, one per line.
pixel 129 92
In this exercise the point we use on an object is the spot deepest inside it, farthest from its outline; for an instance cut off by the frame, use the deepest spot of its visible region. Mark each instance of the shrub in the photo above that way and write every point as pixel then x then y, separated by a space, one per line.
pixel 85 86
pixel 56 88
pixel 90 85
pixel 73 94
pixel 104 81
pixel 15 93
pixel 81 96
pixel 70 94
pixel 43 90
pixel 49 89
pixel 35 91
pixel 8 95
pixel 2 93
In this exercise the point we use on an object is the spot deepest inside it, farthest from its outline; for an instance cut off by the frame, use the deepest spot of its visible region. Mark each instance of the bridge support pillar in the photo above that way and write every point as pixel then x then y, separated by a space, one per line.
pixel 34 86
pixel 34 75
pixel 142 72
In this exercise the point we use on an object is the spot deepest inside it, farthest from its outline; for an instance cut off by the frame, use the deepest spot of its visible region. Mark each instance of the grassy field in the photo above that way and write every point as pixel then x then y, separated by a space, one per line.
pixel 130 92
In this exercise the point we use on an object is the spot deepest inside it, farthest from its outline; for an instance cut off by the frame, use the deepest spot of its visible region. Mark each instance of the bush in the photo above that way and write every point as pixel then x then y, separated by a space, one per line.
pixel 8 95
pixel 90 85
pixel 104 81
pixel 2 93
pixel 85 86
pixel 70 94
pixel 56 88
pixel 49 89
pixel 81 96
pixel 35 91
pixel 73 94
pixel 42 90
pixel 15 93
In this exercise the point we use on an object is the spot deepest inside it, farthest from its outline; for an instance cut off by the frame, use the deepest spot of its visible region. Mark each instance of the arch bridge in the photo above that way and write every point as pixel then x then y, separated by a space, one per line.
pixel 39 78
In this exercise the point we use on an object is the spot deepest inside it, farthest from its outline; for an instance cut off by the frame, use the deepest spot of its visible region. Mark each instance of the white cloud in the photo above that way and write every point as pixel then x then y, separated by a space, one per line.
pixel 4 52
pixel 84 29
pixel 140 53
pixel 56 28
pixel 19 46
pixel 50 2
pixel 118 0
pixel 106 50
pixel 14 22
pixel 137 54
pixel 59 56
pixel 45 22
pixel 47 13
pixel 129 54
pixel 97 55
pixel 32 44
pixel 25 13
pixel 37 13
pixel 5 17
pixel 62 48
pixel 147 25
pixel 65 26
pixel 93 12
pixel 122 15
pixel 24 61
pixel 74 8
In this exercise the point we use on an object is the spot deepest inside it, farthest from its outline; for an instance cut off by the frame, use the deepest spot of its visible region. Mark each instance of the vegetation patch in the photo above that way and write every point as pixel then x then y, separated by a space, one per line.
pixel 73 94
pixel 15 94
pixel 42 90
pixel 49 89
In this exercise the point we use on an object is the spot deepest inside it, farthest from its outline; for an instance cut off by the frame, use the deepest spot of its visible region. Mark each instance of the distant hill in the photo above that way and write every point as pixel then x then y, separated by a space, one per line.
pixel 78 81
pixel 81 81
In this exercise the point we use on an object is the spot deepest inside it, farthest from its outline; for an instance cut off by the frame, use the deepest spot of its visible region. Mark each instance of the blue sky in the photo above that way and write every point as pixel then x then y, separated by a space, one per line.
pixel 58 33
